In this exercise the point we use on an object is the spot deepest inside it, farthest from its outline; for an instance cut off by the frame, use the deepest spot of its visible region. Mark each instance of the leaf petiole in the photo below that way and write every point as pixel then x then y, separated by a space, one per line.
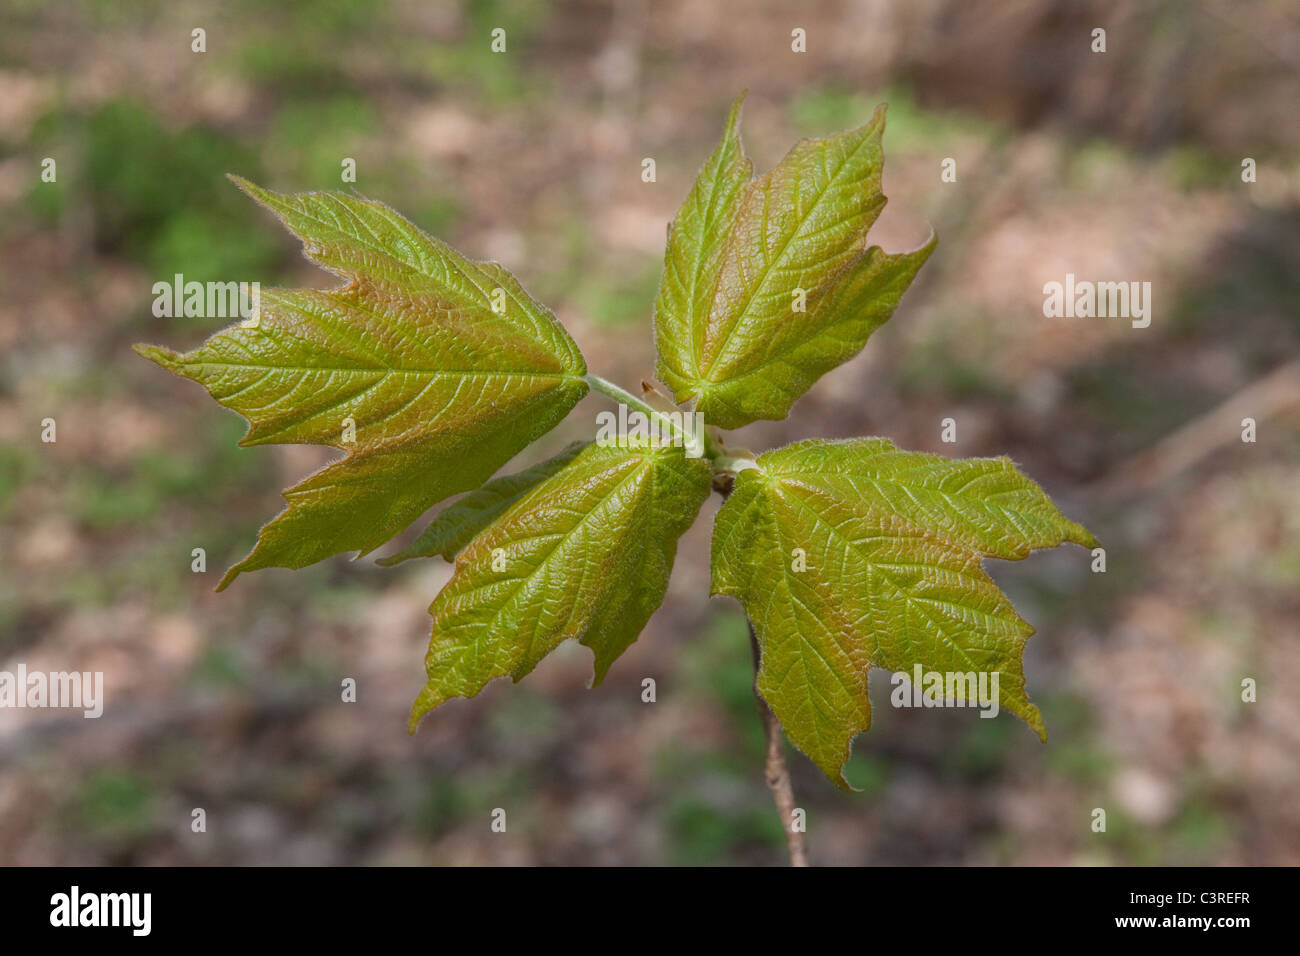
pixel 619 394
pixel 736 463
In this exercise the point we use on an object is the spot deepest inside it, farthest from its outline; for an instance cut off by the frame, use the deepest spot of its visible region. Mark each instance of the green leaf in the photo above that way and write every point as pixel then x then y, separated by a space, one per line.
pixel 727 328
pixel 455 527
pixel 892 577
pixel 586 554
pixel 697 239
pixel 440 388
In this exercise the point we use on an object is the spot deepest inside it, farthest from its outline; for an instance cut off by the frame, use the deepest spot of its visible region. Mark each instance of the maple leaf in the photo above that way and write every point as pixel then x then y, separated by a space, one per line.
pixel 586 553
pixel 768 283
pixel 888 575
pixel 431 370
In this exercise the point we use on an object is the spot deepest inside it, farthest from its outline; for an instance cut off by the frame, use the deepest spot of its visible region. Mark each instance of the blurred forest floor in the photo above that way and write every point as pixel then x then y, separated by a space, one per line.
pixel 1123 165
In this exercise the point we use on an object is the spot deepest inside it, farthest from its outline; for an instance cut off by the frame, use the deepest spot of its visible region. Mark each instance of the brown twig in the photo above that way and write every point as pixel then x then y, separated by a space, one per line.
pixel 778 776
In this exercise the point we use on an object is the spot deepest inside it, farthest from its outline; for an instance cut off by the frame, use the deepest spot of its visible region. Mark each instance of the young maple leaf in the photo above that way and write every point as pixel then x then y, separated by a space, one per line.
pixel 586 553
pixel 445 368
pixel 890 576
pixel 769 283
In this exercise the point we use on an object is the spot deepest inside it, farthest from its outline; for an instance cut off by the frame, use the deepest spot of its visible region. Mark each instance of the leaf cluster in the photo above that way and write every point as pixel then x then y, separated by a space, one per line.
pixel 431 371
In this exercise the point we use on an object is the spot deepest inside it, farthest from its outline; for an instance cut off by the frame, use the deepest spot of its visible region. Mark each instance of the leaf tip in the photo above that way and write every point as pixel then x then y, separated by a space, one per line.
pixel 157 354
pixel 834 771
pixel 247 186
pixel 425 702
pixel 1034 718
pixel 737 107
pixel 600 667
pixel 1082 536
pixel 926 247
pixel 258 194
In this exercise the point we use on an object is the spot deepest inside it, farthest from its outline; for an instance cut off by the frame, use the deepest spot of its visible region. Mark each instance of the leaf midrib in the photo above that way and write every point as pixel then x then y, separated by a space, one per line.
pixel 562 537
pixel 960 503
pixel 908 598
pixel 753 188
pixel 386 370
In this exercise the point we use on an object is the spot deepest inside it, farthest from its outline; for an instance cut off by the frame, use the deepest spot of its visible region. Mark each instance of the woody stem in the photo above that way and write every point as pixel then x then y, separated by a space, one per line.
pixel 778 775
